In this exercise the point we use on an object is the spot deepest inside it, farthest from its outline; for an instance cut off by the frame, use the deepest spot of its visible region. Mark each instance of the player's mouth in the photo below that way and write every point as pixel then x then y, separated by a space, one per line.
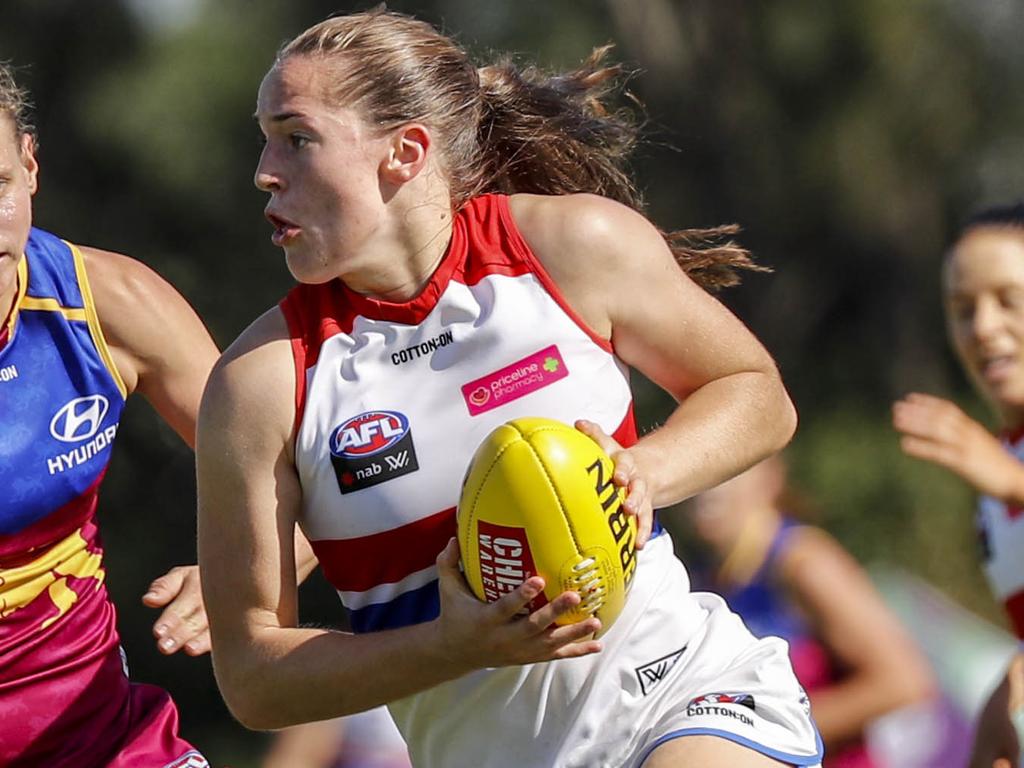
pixel 284 230
pixel 997 368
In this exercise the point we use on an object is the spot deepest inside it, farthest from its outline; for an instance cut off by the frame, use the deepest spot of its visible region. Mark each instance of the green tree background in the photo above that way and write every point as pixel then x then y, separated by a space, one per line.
pixel 847 138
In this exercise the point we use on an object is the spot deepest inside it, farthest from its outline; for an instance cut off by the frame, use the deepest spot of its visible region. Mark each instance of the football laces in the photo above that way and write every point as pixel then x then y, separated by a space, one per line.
pixel 587 579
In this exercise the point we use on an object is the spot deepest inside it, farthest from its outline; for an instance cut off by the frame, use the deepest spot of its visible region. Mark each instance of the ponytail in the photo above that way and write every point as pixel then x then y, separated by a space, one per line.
pixel 555 135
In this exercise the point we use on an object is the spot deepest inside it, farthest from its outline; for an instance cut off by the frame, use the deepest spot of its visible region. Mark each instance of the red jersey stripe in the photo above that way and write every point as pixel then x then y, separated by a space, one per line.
pixel 356 565
pixel 365 562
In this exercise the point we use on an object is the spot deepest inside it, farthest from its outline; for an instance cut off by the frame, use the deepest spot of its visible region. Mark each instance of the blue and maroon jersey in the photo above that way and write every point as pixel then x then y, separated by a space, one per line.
pixel 61 399
pixel 65 698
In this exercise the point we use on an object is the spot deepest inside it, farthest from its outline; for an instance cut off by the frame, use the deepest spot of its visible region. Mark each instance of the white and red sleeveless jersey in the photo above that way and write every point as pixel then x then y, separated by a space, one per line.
pixel 1001 530
pixel 392 400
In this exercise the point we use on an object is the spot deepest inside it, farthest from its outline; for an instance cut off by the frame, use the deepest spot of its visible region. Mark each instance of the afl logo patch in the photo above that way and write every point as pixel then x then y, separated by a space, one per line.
pixel 372 448
pixel 79 419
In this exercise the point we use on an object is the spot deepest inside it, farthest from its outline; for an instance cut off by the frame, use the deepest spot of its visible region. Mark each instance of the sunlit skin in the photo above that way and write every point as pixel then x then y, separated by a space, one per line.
pixel 336 225
pixel 18 182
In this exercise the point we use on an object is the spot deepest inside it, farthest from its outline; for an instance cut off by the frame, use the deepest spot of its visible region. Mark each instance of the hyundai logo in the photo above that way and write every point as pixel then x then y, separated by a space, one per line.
pixel 79 419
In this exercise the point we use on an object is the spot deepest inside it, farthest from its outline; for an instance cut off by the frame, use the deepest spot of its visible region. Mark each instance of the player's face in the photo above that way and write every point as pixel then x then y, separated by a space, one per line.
pixel 320 165
pixel 722 513
pixel 983 282
pixel 18 172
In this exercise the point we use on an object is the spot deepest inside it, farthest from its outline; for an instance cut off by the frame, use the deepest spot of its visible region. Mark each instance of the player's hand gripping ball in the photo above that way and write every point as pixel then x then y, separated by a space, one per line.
pixel 538 499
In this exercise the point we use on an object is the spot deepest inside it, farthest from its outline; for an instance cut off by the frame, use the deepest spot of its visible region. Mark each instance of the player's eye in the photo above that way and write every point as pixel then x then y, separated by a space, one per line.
pixel 297 140
pixel 961 310
pixel 1013 299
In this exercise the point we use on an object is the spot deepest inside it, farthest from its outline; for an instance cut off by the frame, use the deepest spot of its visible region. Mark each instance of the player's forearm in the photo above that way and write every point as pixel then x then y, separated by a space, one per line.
pixel 285 676
pixel 716 432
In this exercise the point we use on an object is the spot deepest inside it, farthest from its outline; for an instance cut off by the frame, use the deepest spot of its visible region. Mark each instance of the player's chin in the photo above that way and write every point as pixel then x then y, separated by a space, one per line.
pixel 304 265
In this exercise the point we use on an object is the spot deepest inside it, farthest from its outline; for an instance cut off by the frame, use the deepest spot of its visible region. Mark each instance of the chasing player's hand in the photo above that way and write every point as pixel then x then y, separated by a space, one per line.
pixel 183 622
pixel 628 476
pixel 936 430
pixel 475 634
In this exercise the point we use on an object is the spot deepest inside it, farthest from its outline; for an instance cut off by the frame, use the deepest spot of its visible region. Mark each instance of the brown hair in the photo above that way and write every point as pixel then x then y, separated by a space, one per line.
pixel 502 128
pixel 14 102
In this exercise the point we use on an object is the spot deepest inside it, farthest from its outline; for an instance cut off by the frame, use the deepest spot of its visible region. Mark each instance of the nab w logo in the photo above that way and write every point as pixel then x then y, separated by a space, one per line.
pixel 399 460
pixel 654 672
pixel 79 419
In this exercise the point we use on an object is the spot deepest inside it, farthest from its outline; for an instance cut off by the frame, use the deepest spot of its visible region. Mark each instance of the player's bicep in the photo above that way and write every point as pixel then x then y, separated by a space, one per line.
pixel 670 328
pixel 249 495
pixel 618 273
pixel 159 345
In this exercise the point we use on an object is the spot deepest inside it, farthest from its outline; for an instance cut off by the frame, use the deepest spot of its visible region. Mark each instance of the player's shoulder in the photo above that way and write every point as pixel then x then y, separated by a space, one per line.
pixel 813 555
pixel 257 368
pixel 115 277
pixel 249 399
pixel 580 222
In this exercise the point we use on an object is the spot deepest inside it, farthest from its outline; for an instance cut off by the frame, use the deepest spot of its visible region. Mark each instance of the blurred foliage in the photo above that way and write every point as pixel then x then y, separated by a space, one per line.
pixel 847 138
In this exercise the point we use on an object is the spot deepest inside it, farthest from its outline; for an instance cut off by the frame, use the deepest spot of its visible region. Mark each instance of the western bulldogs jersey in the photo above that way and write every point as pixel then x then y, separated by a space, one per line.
pixel 1001 530
pixel 392 400
pixel 65 699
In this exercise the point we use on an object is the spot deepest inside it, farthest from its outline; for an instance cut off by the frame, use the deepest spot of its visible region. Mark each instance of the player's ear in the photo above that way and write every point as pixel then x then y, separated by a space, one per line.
pixel 407 152
pixel 27 151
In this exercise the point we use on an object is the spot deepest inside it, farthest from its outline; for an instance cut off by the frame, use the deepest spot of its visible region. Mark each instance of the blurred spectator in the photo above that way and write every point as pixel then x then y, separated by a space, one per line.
pixel 795 581
pixel 364 740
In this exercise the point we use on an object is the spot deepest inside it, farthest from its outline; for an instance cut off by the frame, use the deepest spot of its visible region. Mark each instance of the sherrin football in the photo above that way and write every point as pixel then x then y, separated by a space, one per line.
pixel 538 498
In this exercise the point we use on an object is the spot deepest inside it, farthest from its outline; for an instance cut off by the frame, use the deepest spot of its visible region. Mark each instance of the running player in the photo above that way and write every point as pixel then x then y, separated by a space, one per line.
pixel 81 330
pixel 983 289
pixel 794 581
pixel 454 276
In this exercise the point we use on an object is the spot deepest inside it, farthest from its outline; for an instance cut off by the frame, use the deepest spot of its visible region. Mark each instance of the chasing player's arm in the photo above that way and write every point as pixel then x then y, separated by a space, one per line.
pixel 159 346
pixel 271 672
pixel 162 350
pixel 937 430
pixel 616 271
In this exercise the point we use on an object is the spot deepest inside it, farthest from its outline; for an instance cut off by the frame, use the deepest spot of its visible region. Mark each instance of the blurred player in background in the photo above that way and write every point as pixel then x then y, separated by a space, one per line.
pixel 983 292
pixel 81 330
pixel 795 581
pixel 363 740
pixel 452 279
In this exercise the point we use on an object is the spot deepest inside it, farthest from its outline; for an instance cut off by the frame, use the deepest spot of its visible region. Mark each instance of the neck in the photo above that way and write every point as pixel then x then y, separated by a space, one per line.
pixel 411 246
pixel 750 548
pixel 1012 422
pixel 8 291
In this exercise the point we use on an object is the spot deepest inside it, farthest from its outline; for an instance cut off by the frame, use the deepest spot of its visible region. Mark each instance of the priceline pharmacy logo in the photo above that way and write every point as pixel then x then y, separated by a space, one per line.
pixel 522 377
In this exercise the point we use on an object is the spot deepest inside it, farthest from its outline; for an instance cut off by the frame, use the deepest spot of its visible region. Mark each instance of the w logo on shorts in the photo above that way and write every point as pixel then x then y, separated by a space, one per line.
pixel 654 672
pixel 190 759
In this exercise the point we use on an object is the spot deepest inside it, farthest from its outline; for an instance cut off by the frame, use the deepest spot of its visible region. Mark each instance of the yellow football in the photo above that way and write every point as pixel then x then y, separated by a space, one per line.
pixel 538 498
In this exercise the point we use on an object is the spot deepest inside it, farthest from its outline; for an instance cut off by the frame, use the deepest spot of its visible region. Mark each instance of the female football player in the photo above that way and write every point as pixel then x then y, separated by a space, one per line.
pixel 793 580
pixel 983 291
pixel 81 330
pixel 448 226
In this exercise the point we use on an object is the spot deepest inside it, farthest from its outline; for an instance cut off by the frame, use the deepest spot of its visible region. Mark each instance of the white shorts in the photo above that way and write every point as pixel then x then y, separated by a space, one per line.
pixel 674 664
